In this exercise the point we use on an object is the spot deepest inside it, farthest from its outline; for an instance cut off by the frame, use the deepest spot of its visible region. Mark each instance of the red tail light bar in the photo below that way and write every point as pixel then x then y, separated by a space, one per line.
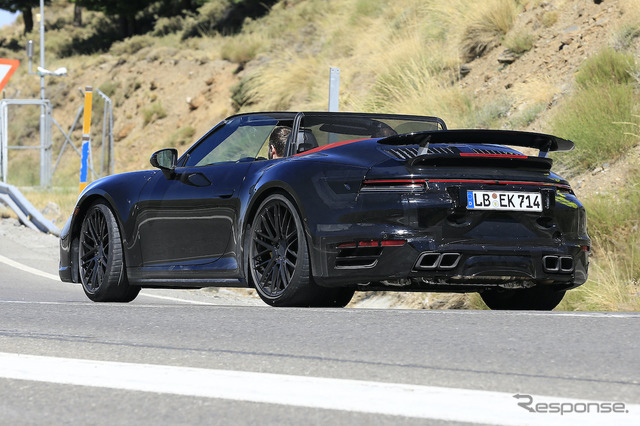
pixel 421 184
pixel 373 243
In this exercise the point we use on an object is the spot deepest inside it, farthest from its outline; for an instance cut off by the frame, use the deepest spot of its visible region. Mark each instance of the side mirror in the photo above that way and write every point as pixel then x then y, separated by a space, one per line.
pixel 165 160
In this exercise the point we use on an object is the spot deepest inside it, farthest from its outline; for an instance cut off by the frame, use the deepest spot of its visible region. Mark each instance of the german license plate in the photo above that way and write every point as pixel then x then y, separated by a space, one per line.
pixel 504 200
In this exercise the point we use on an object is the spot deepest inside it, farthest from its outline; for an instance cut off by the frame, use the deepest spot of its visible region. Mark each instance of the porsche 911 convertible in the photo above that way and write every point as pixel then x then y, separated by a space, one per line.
pixel 352 202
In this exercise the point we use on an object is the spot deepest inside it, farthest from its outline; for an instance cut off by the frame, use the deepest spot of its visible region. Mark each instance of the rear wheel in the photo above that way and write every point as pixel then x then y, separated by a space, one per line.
pixel 538 298
pixel 337 297
pixel 100 258
pixel 279 257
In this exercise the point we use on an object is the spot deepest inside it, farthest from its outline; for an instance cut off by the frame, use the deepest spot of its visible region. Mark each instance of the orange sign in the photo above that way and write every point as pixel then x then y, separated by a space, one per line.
pixel 7 68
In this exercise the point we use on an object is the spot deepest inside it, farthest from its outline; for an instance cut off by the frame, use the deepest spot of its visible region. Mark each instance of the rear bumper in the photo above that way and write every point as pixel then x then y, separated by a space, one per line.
pixel 422 264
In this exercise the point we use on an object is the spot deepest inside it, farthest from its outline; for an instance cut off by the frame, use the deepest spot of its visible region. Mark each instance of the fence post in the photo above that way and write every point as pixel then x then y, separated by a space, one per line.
pixel 86 137
pixel 334 89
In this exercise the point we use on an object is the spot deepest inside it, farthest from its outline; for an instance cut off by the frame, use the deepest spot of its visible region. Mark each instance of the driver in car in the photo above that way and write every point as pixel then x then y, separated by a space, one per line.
pixel 278 141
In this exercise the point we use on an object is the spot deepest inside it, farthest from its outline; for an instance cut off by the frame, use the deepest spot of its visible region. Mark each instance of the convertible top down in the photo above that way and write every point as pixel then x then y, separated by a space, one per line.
pixel 351 202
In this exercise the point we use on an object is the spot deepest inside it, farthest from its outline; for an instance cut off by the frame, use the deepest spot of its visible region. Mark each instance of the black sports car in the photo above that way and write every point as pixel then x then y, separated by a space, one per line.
pixel 347 202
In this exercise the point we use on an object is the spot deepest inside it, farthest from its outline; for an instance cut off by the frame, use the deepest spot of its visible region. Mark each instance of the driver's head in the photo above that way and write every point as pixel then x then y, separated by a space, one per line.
pixel 278 141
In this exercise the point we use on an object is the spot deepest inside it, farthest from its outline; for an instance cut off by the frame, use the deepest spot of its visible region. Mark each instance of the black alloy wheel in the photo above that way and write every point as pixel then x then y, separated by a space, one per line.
pixel 538 298
pixel 279 257
pixel 100 258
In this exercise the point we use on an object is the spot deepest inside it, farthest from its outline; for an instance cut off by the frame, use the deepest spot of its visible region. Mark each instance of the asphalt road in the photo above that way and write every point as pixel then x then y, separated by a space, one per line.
pixel 187 357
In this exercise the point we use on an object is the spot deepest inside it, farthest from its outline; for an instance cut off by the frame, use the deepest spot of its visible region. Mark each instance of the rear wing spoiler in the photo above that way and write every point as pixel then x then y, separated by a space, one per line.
pixel 544 143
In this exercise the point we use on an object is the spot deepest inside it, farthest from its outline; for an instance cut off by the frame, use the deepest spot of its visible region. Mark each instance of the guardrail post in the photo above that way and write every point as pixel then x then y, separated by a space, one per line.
pixel 86 137
pixel 334 89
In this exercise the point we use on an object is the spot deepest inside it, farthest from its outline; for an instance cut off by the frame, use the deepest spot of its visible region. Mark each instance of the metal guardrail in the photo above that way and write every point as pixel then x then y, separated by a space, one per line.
pixel 45 138
pixel 28 215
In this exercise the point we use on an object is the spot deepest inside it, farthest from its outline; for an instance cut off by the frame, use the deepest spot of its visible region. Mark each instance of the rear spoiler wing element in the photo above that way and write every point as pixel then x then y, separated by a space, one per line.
pixel 545 143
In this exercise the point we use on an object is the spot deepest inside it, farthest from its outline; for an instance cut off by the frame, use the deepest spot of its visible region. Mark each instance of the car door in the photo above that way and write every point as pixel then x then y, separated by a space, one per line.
pixel 185 221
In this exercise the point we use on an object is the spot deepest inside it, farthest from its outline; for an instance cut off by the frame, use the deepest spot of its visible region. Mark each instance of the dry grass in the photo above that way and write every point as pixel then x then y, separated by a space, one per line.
pixel 549 18
pixel 519 42
pixel 492 21
pixel 242 48
pixel 286 82
pixel 612 286
pixel 62 197
pixel 537 90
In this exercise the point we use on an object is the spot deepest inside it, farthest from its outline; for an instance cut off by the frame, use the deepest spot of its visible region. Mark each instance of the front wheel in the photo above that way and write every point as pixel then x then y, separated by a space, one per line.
pixel 100 258
pixel 538 298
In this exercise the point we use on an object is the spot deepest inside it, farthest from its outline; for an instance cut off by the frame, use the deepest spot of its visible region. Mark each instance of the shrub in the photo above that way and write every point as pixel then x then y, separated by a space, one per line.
pixel 165 26
pixel 181 136
pixel 549 18
pixel 109 87
pixel 154 112
pixel 483 33
pixel 131 45
pixel 519 43
pixel 241 49
pixel 589 118
pixel 206 21
pixel 526 116
pixel 594 116
pixel 606 67
pixel 624 38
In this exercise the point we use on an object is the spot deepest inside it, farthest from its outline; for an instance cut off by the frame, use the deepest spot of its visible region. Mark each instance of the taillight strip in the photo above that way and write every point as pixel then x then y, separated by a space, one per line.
pixel 409 182
pixel 500 182
pixel 396 181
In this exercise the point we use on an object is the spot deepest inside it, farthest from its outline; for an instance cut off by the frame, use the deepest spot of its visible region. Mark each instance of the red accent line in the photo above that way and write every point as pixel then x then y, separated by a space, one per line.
pixel 502 182
pixel 329 146
pixel 506 182
pixel 466 154
pixel 493 182
pixel 461 181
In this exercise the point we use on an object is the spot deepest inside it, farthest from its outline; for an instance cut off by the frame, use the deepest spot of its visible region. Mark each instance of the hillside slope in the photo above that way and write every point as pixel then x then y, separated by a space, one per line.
pixel 498 64
pixel 189 84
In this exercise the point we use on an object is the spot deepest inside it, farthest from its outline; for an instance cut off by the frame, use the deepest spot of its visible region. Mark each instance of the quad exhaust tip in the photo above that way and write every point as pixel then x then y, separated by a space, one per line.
pixel 553 263
pixel 431 261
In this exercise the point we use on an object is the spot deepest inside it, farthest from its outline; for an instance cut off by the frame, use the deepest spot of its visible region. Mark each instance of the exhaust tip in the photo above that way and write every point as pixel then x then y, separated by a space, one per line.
pixel 449 260
pixel 430 261
pixel 551 263
pixel 566 264
pixel 563 264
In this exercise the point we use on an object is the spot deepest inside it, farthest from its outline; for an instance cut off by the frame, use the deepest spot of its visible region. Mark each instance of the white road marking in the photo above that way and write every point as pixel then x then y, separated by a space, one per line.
pixel 394 399
pixel 176 299
pixel 56 278
pixel 39 273
pixel 28 269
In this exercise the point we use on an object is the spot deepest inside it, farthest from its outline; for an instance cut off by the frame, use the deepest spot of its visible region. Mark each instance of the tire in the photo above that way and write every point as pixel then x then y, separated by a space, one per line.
pixel 337 297
pixel 278 260
pixel 100 258
pixel 538 298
